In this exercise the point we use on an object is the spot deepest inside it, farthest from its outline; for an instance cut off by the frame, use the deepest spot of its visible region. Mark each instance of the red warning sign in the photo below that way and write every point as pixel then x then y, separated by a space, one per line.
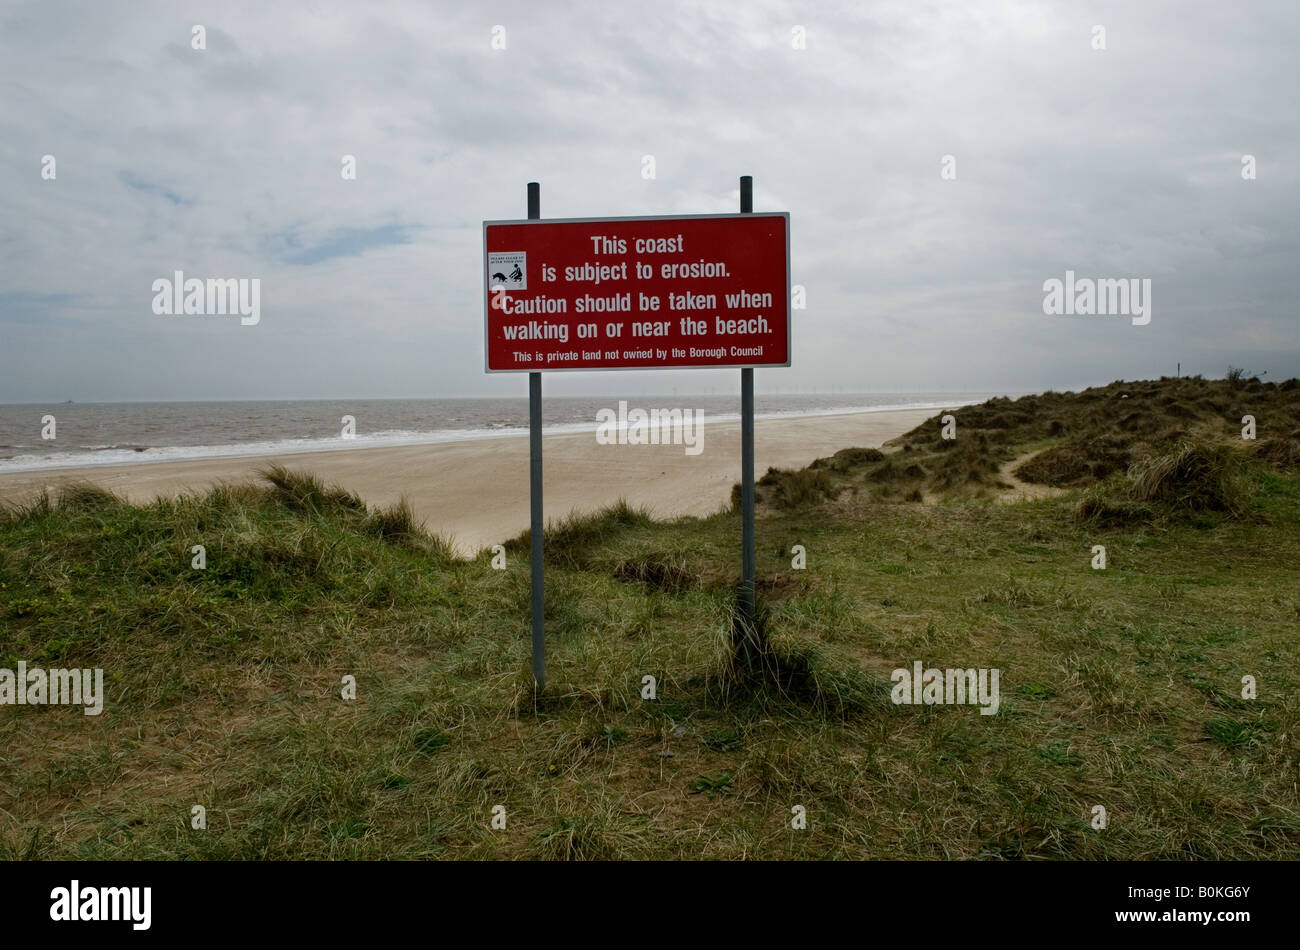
pixel 637 293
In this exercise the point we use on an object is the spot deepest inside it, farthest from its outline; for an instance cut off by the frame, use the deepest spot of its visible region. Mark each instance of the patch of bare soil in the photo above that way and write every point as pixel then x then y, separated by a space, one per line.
pixel 1021 490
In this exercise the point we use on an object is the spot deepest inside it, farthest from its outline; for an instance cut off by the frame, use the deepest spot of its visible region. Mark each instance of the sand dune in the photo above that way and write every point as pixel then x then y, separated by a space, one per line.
pixel 477 491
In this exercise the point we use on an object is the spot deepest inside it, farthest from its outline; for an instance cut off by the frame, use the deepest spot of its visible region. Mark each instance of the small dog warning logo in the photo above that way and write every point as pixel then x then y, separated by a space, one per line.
pixel 508 269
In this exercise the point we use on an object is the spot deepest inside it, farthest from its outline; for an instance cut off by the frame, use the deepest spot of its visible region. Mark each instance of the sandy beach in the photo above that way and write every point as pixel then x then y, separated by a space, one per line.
pixel 476 492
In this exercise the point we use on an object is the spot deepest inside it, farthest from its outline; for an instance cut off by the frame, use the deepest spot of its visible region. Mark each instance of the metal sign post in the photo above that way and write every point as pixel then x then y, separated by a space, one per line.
pixel 535 490
pixel 747 583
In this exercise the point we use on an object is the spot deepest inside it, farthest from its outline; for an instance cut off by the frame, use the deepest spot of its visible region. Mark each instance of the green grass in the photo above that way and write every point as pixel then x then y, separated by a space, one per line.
pixel 1119 687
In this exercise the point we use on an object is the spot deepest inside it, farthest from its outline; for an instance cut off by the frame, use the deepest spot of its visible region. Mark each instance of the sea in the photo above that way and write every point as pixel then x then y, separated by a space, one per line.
pixel 116 433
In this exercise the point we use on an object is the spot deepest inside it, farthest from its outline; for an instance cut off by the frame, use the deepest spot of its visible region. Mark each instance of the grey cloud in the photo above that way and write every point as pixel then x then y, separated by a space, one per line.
pixel 225 162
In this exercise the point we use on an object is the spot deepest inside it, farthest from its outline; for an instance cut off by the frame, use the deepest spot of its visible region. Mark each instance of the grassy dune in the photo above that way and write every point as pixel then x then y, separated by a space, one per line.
pixel 1120 687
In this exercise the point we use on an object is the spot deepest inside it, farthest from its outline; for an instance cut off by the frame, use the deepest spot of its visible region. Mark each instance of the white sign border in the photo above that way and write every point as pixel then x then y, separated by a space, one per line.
pixel 487 301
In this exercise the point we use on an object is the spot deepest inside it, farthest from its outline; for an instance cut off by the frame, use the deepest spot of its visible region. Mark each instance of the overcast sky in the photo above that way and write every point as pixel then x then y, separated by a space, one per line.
pixel 225 162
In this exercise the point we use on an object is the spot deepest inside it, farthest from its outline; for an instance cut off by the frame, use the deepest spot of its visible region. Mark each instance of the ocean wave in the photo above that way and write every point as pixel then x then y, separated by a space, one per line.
pixel 127 454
